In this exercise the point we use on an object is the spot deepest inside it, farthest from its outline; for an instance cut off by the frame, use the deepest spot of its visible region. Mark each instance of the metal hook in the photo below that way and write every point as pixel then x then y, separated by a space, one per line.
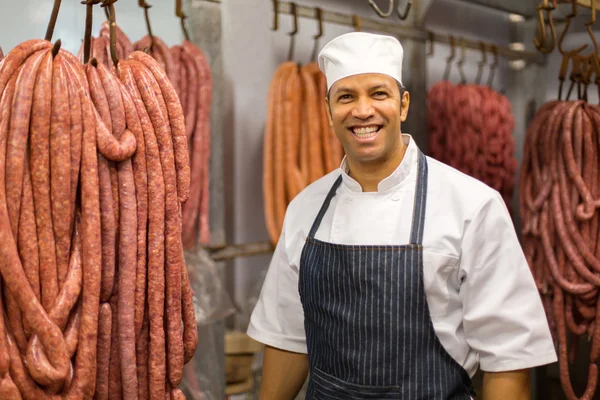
pixel 52 22
pixel 275 15
pixel 589 24
pixel 87 36
pixel 356 22
pixel 179 13
pixel 294 32
pixel 146 6
pixel 459 64
pixel 493 66
pixel 539 44
pixel 567 55
pixel 319 15
pixel 577 72
pixel 449 59
pixel 378 10
pixel 112 19
pixel 431 40
pixel 481 63
pixel 404 15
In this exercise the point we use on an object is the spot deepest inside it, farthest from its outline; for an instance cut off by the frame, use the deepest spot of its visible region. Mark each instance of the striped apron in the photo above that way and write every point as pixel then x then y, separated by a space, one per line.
pixel 368 328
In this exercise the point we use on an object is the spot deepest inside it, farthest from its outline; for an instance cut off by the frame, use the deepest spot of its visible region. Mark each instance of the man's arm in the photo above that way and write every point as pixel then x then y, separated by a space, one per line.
pixel 283 375
pixel 509 385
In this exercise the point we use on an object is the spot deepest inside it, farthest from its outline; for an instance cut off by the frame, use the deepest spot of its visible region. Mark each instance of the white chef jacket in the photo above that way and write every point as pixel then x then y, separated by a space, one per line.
pixel 484 305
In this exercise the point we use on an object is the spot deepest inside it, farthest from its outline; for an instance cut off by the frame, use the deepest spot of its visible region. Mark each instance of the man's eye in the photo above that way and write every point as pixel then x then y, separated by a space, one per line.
pixel 379 94
pixel 344 97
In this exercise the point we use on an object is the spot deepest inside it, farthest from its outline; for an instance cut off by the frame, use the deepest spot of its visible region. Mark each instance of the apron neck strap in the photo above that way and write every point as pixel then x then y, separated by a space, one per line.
pixel 418 222
pixel 324 207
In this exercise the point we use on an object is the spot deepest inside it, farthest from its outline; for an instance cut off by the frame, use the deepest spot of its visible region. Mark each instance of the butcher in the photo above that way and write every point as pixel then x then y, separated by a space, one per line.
pixel 395 276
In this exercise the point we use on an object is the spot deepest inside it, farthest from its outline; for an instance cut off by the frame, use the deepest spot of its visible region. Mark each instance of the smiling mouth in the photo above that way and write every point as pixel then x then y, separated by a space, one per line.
pixel 365 132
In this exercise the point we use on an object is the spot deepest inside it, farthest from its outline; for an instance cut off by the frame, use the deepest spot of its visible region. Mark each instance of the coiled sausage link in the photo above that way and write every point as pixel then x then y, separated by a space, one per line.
pixel 127 240
pixel 156 239
pixel 177 122
pixel 18 286
pixel 146 82
pixel 83 382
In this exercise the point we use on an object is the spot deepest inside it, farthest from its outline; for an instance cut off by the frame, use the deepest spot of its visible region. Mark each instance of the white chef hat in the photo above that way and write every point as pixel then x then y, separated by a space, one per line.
pixel 360 53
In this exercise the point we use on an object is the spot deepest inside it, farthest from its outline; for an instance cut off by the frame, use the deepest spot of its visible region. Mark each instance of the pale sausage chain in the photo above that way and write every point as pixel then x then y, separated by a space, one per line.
pixel 96 299
pixel 299 144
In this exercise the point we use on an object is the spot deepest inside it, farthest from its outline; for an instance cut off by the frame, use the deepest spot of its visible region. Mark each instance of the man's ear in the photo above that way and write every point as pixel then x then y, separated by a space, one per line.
pixel 328 106
pixel 404 103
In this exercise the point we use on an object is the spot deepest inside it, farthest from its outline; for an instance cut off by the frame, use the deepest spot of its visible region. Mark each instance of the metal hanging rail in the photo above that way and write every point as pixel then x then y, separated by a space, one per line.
pixel 228 252
pixel 404 31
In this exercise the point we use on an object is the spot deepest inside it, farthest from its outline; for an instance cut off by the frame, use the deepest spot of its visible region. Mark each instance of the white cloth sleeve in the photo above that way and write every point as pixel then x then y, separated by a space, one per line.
pixel 503 318
pixel 278 317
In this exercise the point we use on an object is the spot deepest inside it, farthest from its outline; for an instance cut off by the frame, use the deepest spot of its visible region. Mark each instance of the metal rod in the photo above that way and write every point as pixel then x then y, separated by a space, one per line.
pixel 407 32
pixel 87 37
pixel 109 5
pixel 241 250
pixel 52 22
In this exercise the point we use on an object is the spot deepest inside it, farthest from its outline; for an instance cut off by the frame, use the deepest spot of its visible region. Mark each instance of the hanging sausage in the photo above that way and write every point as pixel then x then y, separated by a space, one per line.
pixel 195 92
pixel 299 144
pixel 95 298
pixel 470 128
pixel 558 201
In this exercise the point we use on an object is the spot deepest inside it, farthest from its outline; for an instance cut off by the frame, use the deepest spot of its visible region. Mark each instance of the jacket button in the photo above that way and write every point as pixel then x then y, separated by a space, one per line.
pixel 396 197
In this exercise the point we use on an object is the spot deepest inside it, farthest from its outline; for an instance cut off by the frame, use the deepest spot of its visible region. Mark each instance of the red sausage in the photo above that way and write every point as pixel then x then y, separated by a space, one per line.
pixel 173 254
pixel 60 167
pixel 17 56
pixel 107 202
pixel 141 189
pixel 18 284
pixel 156 241
pixel 127 241
pixel 104 346
pixel 83 382
pixel 190 331
pixel 115 387
pixel 177 123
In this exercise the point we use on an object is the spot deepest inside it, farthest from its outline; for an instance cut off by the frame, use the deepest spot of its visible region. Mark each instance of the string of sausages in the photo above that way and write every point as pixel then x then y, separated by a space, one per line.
pixel 193 81
pixel 189 72
pixel 558 201
pixel 470 128
pixel 299 144
pixel 95 295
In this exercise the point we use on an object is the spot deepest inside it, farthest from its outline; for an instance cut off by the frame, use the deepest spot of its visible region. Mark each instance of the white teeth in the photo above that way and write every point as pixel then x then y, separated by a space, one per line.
pixel 365 132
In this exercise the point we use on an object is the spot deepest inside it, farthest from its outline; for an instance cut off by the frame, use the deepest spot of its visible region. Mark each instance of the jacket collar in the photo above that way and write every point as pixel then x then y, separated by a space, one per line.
pixel 408 163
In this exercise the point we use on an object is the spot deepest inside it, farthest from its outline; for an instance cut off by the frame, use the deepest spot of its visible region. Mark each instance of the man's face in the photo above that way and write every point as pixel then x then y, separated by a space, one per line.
pixel 366 112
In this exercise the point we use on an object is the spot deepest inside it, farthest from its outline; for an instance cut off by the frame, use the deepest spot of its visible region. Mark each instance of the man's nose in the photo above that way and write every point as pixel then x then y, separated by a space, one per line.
pixel 364 108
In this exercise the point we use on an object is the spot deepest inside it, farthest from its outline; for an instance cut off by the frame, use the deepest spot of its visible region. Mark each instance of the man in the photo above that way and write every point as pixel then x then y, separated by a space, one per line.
pixel 395 276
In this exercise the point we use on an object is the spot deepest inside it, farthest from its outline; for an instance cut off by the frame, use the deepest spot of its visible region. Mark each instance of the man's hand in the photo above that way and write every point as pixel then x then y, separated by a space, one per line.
pixel 510 385
pixel 283 375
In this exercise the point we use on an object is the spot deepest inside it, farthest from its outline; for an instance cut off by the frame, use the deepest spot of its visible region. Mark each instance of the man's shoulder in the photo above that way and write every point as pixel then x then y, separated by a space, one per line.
pixel 457 188
pixel 313 194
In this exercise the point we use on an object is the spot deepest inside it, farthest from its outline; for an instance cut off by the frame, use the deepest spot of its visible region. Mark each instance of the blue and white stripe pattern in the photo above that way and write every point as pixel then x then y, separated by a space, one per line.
pixel 368 328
